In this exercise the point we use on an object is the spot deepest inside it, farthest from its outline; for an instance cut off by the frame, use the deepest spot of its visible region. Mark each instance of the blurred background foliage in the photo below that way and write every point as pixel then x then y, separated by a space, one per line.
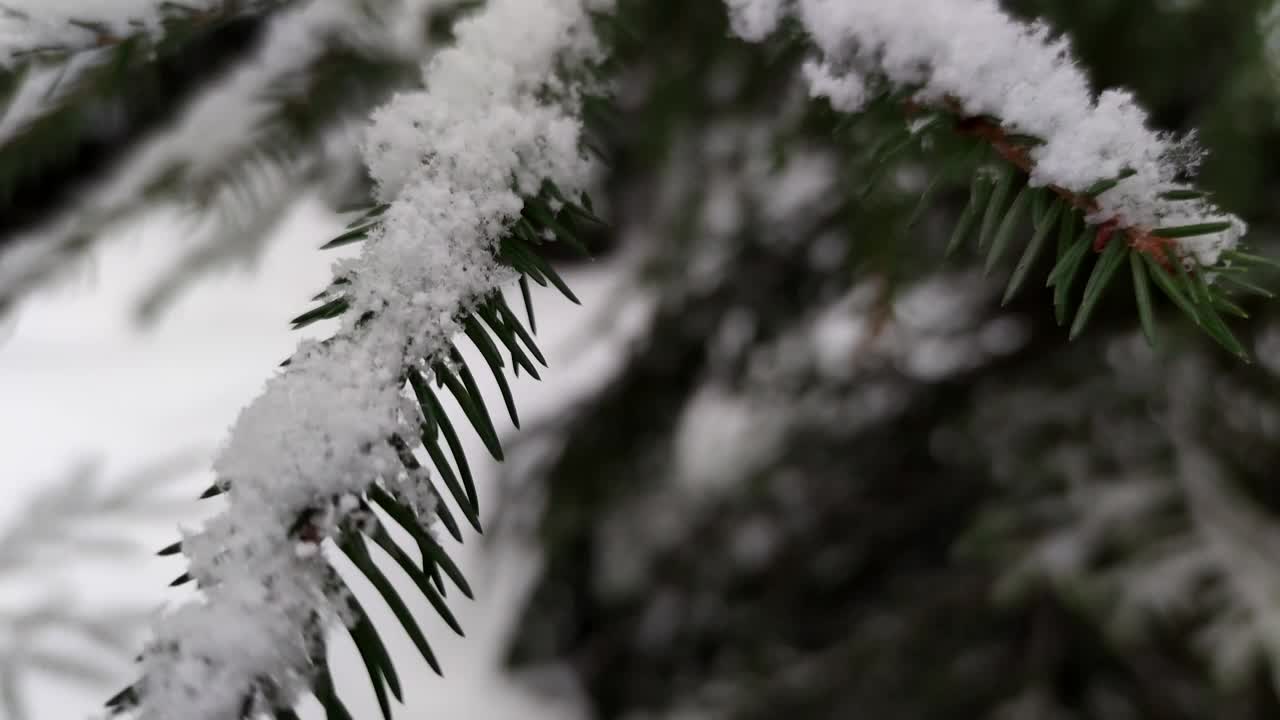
pixel 832 478
pixel 224 118
pixel 830 475
pixel 79 520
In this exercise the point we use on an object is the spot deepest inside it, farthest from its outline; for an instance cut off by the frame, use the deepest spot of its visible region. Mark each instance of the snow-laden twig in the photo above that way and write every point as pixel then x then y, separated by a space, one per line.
pixel 34 28
pixel 452 162
pixel 1141 524
pixel 970 57
pixel 227 138
pixel 1243 544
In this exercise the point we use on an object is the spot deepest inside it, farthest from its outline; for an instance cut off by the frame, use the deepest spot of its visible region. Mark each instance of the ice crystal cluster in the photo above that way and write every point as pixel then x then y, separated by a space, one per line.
pixel 971 57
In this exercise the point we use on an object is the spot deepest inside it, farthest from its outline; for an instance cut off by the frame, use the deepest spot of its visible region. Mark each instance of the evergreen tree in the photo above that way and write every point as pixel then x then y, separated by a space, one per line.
pixel 833 475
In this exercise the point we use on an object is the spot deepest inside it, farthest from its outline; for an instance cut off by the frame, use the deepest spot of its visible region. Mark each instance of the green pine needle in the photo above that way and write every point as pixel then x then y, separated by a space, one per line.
pixel 328 696
pixel 1062 270
pixel 1186 231
pixel 1034 248
pixel 1225 304
pixel 1063 277
pixel 419 578
pixel 1188 284
pixel 469 501
pixel 450 480
pixel 528 303
pixel 421 388
pixel 926 198
pixel 331 309
pixel 1247 259
pixel 1218 330
pixel 996 206
pixel 1169 286
pixel 359 555
pixel 508 338
pixel 493 358
pixel 1004 236
pixel 462 385
pixel 368 635
pixel 979 190
pixel 1247 286
pixel 432 552
pixel 537 212
pixel 372 653
pixel 349 237
pixel 541 268
pixel 1142 293
pixel 1104 185
pixel 1066 230
pixel 465 498
pixel 334 709
pixel 411 464
pixel 1039 206
pixel 482 412
pixel 946 173
pixel 510 320
pixel 1103 271
pixel 1177 195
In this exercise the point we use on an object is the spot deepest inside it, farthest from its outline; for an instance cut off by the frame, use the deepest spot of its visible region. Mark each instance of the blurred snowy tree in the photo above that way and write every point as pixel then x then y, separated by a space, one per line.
pixel 78 520
pixel 835 478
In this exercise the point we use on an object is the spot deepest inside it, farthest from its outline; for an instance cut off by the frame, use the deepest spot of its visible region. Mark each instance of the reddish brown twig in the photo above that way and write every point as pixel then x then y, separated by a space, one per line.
pixel 1139 238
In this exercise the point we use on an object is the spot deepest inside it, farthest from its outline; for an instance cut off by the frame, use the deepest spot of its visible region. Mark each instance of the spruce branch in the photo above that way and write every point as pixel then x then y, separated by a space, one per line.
pixel 490 180
pixel 1154 253
pixel 317 72
pixel 43 35
pixel 50 101
pixel 1166 528
pixel 1012 87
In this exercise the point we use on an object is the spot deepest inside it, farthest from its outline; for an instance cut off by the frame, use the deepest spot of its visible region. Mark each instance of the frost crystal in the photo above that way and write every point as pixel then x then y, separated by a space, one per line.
pixel 453 161
pixel 970 53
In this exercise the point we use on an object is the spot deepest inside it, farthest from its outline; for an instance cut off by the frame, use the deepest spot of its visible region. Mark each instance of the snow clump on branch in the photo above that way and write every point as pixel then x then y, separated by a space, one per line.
pixel 971 57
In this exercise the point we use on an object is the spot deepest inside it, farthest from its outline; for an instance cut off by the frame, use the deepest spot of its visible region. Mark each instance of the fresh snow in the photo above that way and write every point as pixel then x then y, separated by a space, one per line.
pixel 972 53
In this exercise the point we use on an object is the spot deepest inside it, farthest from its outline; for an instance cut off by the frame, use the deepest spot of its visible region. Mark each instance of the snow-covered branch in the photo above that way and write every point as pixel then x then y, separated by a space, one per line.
pixel 968 57
pixel 35 28
pixel 1142 525
pixel 238 133
pixel 452 163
